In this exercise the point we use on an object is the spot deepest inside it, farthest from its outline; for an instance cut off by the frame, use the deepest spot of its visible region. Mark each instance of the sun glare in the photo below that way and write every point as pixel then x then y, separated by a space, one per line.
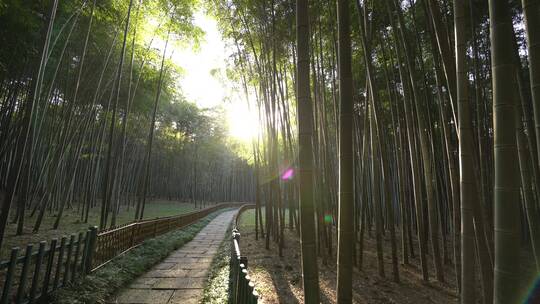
pixel 200 84
pixel 243 123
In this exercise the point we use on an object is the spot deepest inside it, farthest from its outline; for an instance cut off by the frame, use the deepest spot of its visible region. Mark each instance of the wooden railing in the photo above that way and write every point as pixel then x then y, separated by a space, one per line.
pixel 241 287
pixel 40 272
pixel 114 242
pixel 34 274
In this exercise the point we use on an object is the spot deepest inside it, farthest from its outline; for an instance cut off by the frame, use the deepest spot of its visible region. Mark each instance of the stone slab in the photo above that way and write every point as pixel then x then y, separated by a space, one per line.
pixel 143 296
pixel 180 278
pixel 186 296
pixel 180 283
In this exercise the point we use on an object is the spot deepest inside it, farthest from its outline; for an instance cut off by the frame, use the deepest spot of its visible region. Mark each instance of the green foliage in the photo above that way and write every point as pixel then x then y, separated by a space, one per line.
pixel 181 127
pixel 217 286
pixel 19 32
pixel 21 37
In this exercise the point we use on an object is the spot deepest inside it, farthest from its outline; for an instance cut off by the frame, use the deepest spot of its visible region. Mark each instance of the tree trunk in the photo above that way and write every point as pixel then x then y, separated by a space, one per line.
pixel 310 272
pixel 507 191
pixel 346 201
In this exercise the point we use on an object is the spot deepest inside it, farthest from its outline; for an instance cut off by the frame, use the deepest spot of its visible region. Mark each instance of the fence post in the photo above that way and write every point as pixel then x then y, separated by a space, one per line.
pixel 84 253
pixel 253 295
pixel 235 268
pixel 249 287
pixel 59 262
pixel 24 274
pixel 242 288
pixel 239 282
pixel 239 262
pixel 9 275
pixel 67 268
pixel 76 257
pixel 50 262
pixel 37 271
pixel 133 228
pixel 91 248
pixel 232 270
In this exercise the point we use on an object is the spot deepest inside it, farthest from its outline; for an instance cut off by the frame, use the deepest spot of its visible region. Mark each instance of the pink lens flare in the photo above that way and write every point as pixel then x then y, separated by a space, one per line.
pixel 288 174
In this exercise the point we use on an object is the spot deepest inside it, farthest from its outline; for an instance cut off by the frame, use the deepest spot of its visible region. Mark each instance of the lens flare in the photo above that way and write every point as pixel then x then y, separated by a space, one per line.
pixel 288 174
pixel 328 218
pixel 534 293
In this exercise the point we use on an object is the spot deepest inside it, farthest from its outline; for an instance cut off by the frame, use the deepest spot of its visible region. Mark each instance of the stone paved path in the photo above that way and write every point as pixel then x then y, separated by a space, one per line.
pixel 180 277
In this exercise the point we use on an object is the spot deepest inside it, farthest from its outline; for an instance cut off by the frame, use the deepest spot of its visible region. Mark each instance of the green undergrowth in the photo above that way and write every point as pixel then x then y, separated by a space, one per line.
pixel 104 282
pixel 217 285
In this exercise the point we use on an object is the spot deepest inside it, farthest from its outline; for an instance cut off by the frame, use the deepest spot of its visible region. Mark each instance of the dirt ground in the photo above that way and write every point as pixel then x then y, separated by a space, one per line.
pixel 279 280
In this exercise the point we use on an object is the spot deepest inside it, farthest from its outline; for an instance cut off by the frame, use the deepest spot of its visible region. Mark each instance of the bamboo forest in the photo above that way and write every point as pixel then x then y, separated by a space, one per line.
pixel 270 151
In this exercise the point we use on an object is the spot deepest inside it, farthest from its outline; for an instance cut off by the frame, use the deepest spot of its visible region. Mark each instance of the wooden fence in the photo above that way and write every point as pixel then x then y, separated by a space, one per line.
pixel 47 269
pixel 241 288
pixel 113 242
pixel 28 277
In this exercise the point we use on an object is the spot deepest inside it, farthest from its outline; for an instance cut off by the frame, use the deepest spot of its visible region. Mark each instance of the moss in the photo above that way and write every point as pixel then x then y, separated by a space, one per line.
pixel 101 284
pixel 217 285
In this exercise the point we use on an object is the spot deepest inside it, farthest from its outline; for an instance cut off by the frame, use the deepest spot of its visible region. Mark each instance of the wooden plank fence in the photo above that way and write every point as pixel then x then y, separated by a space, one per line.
pixel 241 287
pixel 29 276
pixel 113 242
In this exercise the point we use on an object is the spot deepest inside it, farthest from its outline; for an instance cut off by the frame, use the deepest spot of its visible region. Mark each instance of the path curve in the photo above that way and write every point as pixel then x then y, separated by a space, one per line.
pixel 180 277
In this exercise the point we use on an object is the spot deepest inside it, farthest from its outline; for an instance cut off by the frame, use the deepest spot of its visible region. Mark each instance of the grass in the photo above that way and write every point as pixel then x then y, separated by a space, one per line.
pixel 217 286
pixel 71 223
pixel 247 219
pixel 98 286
